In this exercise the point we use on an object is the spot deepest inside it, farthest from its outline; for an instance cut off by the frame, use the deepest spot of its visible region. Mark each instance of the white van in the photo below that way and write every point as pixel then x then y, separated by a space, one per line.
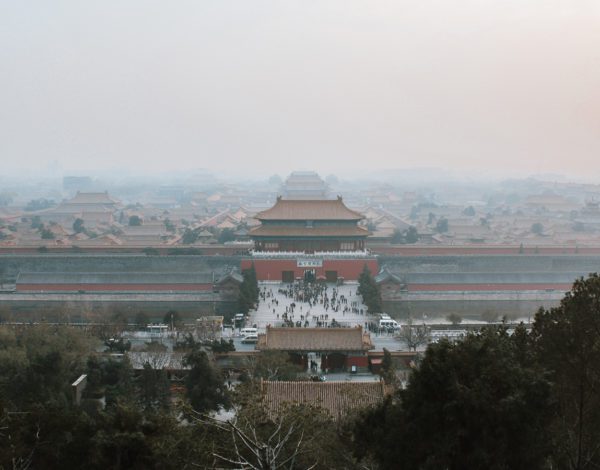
pixel 249 332
pixel 389 324
pixel 250 339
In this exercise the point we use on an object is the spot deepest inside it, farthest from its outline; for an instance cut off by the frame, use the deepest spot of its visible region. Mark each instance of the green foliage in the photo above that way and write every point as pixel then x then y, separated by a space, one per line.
pixel 388 370
pixel 189 236
pixel 568 345
pixel 135 221
pixel 39 204
pixel 441 225
pixel 221 346
pixel 36 222
pixel 153 388
pixel 405 237
pixel 204 383
pixel 78 226
pixel 37 364
pixel 226 235
pixel 109 378
pixel 275 365
pixel 117 345
pixel 248 296
pixel 173 319
pixel 537 228
pixel 454 318
pixel 369 291
pixel 142 319
pixel 469 211
pixel 480 403
pixel 47 234
pixel 170 226
pixel 411 235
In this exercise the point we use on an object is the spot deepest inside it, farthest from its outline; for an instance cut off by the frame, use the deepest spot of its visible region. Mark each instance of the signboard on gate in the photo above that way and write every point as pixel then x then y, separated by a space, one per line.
pixel 310 263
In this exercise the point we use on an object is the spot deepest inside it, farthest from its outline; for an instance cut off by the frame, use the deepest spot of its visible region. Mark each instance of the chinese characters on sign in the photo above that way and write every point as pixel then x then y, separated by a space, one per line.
pixel 310 263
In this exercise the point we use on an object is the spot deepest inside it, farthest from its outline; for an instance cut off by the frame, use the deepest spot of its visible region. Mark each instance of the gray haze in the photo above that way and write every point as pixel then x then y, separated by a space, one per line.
pixel 254 87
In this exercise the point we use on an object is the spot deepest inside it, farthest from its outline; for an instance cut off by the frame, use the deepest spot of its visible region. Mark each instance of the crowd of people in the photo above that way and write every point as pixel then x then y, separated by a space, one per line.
pixel 307 302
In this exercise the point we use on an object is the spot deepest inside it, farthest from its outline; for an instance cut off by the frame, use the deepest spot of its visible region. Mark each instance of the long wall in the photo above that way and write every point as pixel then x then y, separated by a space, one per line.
pixel 272 269
pixel 75 306
pixel 11 265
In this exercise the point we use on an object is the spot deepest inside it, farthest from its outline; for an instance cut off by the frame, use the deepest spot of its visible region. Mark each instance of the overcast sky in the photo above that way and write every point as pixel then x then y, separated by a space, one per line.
pixel 271 86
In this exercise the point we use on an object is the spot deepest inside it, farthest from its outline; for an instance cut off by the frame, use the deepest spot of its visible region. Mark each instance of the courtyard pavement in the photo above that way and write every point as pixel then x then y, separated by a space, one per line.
pixel 270 311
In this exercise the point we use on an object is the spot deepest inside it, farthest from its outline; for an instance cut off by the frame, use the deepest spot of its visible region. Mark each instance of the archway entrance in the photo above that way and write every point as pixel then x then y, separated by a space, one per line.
pixel 309 275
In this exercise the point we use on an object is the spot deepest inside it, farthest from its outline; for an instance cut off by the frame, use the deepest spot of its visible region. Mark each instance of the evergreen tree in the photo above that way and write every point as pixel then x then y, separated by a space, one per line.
pixel 205 388
pixel 369 290
pixel 248 296
pixel 568 344
pixel 479 403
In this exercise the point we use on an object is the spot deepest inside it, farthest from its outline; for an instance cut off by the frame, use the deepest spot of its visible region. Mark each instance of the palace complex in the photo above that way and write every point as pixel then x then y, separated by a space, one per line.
pixel 309 239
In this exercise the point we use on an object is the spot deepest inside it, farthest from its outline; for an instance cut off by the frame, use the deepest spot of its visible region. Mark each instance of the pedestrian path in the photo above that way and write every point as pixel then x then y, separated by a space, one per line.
pixel 312 305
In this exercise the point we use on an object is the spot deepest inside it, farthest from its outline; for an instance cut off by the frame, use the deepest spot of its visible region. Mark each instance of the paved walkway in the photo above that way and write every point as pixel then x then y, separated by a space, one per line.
pixel 275 307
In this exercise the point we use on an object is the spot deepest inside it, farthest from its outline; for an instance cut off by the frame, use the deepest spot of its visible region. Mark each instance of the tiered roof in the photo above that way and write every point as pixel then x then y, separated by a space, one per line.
pixel 286 209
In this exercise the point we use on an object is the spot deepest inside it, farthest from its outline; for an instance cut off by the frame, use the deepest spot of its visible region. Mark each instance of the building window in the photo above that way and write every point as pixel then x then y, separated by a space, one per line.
pixel 347 246
pixel 309 224
pixel 271 245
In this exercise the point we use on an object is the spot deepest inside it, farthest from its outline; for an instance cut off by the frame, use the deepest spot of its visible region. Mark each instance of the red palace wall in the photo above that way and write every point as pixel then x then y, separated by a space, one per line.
pixel 271 269
pixel 113 287
pixel 486 287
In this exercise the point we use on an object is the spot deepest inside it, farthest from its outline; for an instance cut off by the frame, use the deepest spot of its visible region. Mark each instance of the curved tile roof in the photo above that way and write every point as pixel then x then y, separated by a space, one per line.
pixel 289 209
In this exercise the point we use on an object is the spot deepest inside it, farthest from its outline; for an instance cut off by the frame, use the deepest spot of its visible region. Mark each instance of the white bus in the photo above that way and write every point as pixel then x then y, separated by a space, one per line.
pixel 249 332
pixel 389 324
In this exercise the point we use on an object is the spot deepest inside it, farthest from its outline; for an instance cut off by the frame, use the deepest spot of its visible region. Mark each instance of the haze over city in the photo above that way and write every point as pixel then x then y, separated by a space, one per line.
pixel 291 235
pixel 506 88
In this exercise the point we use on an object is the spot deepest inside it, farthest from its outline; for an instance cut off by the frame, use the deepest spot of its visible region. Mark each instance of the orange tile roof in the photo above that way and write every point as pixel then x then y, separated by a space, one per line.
pixel 288 231
pixel 285 209
pixel 337 398
pixel 314 339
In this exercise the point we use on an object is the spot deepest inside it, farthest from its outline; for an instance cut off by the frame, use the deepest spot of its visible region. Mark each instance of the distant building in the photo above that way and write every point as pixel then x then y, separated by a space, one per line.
pixel 77 183
pixel 304 185
pixel 94 208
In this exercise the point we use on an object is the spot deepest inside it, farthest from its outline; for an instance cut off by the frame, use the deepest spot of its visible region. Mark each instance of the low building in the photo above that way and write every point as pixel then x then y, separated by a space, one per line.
pixel 340 349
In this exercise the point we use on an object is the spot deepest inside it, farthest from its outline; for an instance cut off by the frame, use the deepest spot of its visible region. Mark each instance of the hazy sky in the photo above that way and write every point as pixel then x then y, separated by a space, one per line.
pixel 270 86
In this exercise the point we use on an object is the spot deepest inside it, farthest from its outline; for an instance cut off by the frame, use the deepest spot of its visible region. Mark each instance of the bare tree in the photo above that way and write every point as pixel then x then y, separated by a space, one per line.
pixel 414 335
pixel 250 451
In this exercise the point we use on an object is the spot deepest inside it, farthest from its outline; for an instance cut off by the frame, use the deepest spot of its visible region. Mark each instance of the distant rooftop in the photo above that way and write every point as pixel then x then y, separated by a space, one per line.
pixel 91 198
pixel 304 185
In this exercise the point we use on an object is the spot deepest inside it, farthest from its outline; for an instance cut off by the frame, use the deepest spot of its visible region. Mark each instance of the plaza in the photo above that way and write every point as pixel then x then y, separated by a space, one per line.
pixel 278 308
